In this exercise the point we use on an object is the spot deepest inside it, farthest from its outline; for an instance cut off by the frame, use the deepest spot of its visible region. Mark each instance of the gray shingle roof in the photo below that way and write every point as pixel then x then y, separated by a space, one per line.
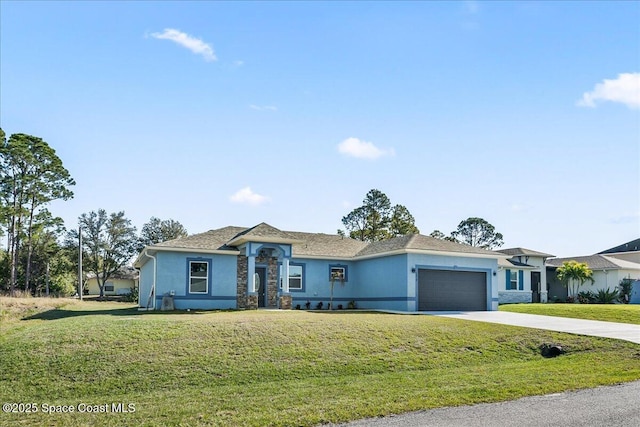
pixel 523 251
pixel 594 262
pixel 209 240
pixel 421 242
pixel 631 246
pixel 263 230
pixel 316 244
pixel 319 244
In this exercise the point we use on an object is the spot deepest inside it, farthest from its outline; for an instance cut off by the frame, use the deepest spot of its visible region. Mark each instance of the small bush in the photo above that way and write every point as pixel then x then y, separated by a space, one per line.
pixel 351 305
pixel 586 297
pixel 131 296
pixel 319 306
pixel 607 296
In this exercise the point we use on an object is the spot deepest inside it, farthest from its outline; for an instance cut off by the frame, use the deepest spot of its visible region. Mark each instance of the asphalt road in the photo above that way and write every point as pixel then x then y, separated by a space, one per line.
pixel 617 406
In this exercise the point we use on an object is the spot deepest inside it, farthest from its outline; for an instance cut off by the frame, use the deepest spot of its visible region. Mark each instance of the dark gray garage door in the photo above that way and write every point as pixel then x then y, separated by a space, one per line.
pixel 452 290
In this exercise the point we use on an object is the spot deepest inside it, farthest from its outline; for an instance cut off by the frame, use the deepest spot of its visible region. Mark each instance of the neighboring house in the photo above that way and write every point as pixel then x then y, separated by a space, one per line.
pixel 237 267
pixel 120 282
pixel 609 268
pixel 520 277
pixel 629 251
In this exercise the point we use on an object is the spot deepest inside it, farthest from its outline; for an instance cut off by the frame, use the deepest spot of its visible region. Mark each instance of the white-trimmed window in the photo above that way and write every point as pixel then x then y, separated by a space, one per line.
pixel 338 273
pixel 296 273
pixel 198 277
pixel 513 280
pixel 108 287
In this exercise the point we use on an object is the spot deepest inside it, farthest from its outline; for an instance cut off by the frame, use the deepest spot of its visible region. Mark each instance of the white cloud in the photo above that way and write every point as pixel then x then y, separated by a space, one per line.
pixel 247 196
pixel 625 89
pixel 263 107
pixel 195 45
pixel 355 147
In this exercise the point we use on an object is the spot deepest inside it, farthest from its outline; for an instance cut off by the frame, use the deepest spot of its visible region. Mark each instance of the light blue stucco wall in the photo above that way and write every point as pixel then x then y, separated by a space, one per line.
pixel 173 277
pixel 317 286
pixel 379 283
pixel 382 283
pixel 146 283
pixel 490 266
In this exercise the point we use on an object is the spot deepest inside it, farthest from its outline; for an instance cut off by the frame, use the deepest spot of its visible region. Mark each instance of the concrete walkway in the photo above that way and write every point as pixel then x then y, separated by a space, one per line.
pixel 596 328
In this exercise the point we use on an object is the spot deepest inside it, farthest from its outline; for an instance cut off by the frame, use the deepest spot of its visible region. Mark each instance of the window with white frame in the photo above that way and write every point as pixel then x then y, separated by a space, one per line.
pixel 513 282
pixel 295 277
pixel 198 277
pixel 108 287
pixel 338 273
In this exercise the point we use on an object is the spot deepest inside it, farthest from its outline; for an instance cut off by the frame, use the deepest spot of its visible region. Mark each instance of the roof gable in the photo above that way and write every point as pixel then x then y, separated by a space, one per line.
pixel 262 232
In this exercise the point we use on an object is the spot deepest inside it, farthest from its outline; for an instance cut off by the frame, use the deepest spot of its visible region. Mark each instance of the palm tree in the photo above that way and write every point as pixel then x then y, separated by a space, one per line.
pixel 573 274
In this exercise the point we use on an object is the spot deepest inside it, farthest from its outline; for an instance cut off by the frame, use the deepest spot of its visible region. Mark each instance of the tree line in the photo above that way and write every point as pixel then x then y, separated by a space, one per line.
pixel 378 220
pixel 42 255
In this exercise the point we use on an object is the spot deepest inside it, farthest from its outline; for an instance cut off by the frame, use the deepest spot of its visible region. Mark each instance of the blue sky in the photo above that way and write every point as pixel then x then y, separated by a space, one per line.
pixel 221 113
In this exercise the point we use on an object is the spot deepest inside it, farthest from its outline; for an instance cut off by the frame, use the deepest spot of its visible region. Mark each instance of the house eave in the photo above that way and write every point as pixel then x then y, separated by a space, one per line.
pixel 266 239
pixel 431 252
pixel 155 249
pixel 323 257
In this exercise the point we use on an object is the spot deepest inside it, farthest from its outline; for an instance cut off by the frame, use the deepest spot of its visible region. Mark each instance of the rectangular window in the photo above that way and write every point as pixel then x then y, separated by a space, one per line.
pixel 513 280
pixel 108 287
pixel 295 277
pixel 338 273
pixel 198 277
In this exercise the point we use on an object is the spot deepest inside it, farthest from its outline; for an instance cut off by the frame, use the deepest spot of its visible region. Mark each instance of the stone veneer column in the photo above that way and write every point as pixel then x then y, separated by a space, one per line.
pixel 272 280
pixel 285 302
pixel 242 282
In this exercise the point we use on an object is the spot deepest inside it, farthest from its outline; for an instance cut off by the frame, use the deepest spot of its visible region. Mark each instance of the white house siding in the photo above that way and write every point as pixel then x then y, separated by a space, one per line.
pixel 608 279
pixel 510 296
pixel 120 286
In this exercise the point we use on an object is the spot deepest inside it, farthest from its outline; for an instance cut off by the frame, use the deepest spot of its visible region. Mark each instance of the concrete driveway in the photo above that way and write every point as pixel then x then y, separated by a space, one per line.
pixel 596 328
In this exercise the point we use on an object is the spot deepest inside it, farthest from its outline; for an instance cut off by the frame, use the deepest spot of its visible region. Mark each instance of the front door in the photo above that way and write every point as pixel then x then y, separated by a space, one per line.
pixel 262 288
pixel 535 286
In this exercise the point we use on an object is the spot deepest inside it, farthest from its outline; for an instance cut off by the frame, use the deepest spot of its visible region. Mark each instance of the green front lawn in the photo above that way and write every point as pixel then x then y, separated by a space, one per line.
pixel 292 368
pixel 622 313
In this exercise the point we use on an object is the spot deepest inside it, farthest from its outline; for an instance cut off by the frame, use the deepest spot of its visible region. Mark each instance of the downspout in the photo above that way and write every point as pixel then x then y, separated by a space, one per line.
pixel 152 294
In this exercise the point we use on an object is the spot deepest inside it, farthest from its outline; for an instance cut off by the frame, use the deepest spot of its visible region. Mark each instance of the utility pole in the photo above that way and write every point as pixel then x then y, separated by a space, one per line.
pixel 80 262
pixel 47 278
